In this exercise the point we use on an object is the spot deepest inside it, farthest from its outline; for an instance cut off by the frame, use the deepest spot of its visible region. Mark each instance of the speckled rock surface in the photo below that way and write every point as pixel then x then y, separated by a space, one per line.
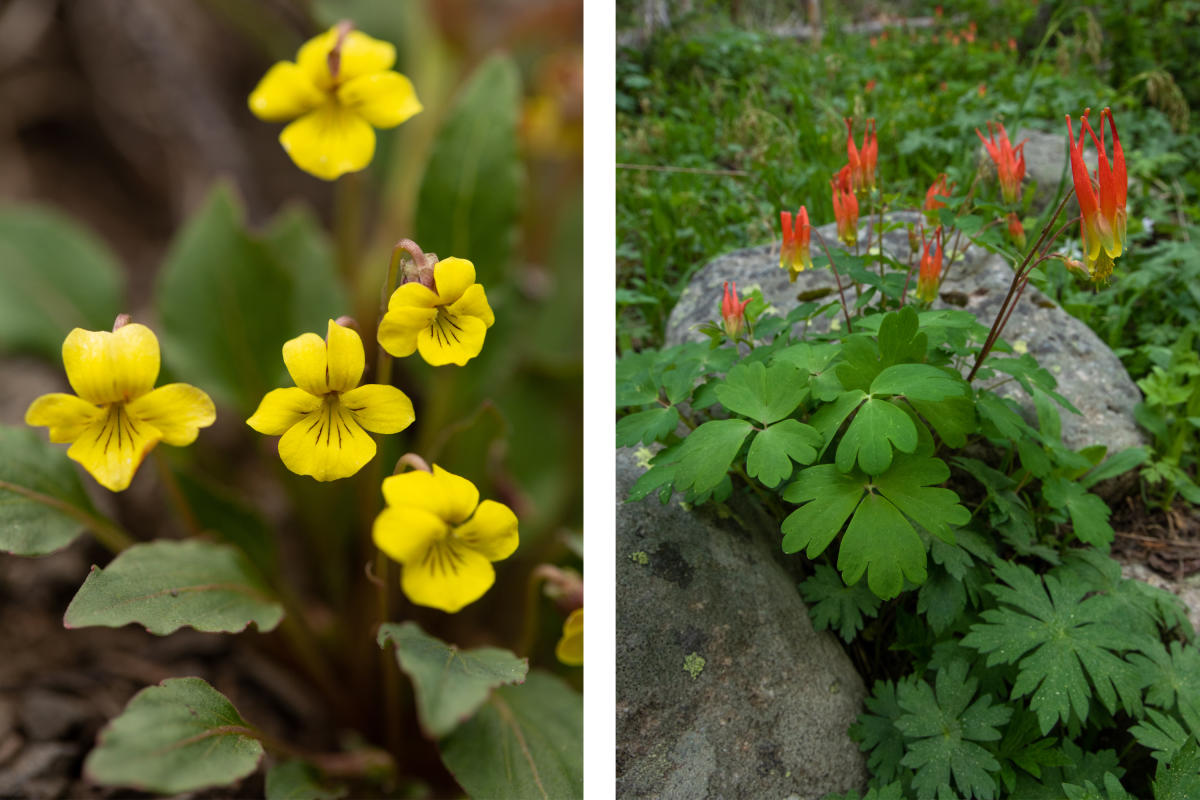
pixel 723 688
pixel 1088 373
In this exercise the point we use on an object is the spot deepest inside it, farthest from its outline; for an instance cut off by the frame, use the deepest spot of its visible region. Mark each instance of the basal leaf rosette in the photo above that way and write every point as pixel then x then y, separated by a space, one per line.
pixel 116 416
pixel 445 323
pixel 340 87
pixel 323 420
pixel 444 538
pixel 880 539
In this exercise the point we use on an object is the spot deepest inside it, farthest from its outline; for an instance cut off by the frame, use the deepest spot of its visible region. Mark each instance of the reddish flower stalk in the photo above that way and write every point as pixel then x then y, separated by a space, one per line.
pixel 1103 217
pixel 845 207
pixel 1009 160
pixel 795 255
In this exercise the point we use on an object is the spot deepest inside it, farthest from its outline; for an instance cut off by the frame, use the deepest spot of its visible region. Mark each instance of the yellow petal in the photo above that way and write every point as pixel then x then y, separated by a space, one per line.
pixel 410 310
pixel 447 577
pixel 452 276
pixel 384 99
pixel 327 444
pixel 66 415
pixel 492 532
pixel 474 303
pixel 307 363
pixel 329 142
pixel 378 408
pixel 451 339
pixel 406 534
pixel 280 409
pixel 442 493
pixel 105 367
pixel 570 647
pixel 284 93
pixel 346 358
pixel 360 55
pixel 112 447
pixel 177 410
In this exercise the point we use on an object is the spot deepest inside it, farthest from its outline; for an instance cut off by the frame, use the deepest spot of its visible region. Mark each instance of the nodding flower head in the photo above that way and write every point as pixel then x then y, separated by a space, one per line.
pixel 1009 160
pixel 845 206
pixel 931 269
pixel 1102 218
pixel 795 255
pixel 862 160
pixel 733 311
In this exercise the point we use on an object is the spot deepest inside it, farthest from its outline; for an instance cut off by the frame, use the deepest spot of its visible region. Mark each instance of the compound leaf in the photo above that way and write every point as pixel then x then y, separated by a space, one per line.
pixel 875 430
pixel 880 542
pixel 919 382
pixel 704 457
pixel 647 426
pixel 1180 778
pixel 766 394
pixel 909 484
pixel 829 498
pixel 773 450
pixel 875 730
pixel 1089 514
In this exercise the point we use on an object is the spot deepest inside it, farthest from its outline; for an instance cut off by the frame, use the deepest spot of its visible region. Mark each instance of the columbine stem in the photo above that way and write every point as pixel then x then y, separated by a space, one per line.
pixel 836 277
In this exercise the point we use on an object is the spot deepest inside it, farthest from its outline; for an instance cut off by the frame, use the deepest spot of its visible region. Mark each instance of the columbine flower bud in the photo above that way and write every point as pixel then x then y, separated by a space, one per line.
pixel 733 312
pixel 1016 232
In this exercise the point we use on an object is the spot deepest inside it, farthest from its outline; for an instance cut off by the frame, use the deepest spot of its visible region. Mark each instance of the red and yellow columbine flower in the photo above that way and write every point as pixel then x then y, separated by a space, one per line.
pixel 340 85
pixel 321 420
pixel 862 162
pixel 118 416
pixel 569 649
pixel 796 254
pixel 931 269
pixel 446 540
pixel 733 311
pixel 446 323
pixel 1010 161
pixel 1103 219
pixel 845 207
pixel 937 189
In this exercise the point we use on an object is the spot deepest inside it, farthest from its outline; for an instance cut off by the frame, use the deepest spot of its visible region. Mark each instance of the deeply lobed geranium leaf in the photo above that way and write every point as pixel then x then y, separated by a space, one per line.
pixel 1161 734
pixel 773 450
pixel 834 605
pixel 1172 679
pixel 875 731
pixel 946 726
pixel 1089 514
pixel 1179 779
pixel 1066 646
pixel 877 428
pixel 765 394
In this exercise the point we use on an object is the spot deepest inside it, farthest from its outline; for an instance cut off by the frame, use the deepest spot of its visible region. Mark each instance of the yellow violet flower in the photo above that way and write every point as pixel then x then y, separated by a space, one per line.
pixel 570 647
pixel 118 415
pixel 339 86
pixel 321 419
pixel 446 324
pixel 435 526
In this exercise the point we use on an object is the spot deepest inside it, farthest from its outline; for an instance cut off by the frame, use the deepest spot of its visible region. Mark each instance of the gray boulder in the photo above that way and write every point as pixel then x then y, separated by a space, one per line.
pixel 723 688
pixel 1089 375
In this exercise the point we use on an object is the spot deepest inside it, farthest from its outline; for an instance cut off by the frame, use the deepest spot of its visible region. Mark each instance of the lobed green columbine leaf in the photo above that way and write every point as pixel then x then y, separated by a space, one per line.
pixel 878 537
pixel 828 498
pixel 953 418
pixel 828 418
pixel 179 736
pixel 43 507
pixel 167 585
pixel 703 459
pixel 832 604
pixel 450 684
pixel 919 382
pixel 877 428
pixel 525 742
pixel 1179 779
pixel 644 427
pixel 765 394
pixel 1089 514
pixel 773 450
pixel 910 485
pixel 1064 645
pixel 947 726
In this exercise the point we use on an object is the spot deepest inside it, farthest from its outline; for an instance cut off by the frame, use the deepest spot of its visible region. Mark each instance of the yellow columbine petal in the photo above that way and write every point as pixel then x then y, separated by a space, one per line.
pixel 492 532
pixel 406 534
pixel 66 415
pixel 306 360
pixel 280 409
pixel 451 339
pixel 384 99
pixel 177 410
pixel 105 367
pixel 360 55
pixel 474 303
pixel 442 493
pixel 345 358
pixel 112 447
pixel 378 408
pixel 447 576
pixel 284 93
pixel 329 142
pixel 452 276
pixel 570 647
pixel 327 444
